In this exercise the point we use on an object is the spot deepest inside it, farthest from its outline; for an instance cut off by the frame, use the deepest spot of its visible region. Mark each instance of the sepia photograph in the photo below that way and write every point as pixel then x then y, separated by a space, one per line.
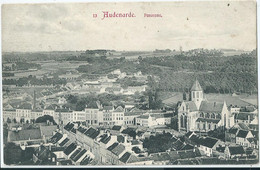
pixel 112 84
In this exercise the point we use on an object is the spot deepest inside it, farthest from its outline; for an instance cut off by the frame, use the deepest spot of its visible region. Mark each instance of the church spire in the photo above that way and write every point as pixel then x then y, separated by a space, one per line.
pixel 196 86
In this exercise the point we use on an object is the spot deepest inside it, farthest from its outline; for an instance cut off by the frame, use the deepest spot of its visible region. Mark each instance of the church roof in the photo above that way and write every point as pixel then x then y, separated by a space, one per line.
pixel 191 105
pixel 196 86
pixel 207 106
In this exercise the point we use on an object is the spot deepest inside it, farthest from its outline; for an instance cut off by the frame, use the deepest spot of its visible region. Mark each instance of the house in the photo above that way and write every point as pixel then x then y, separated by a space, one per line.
pixel 107 115
pixel 242 138
pixel 105 141
pixel 234 151
pixel 244 117
pixel 207 145
pixel 145 120
pixel 118 116
pixel 116 129
pixel 130 117
pixel 115 152
pixel 94 115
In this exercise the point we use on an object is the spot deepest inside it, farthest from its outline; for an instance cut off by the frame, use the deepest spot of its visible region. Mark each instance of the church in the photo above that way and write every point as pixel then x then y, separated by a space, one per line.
pixel 201 115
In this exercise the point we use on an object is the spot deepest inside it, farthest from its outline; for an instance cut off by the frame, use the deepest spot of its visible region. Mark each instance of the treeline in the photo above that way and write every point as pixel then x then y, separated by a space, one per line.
pixel 21 66
pixel 33 81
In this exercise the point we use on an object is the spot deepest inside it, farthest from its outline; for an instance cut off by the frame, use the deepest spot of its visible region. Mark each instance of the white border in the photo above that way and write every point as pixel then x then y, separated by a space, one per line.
pixel 110 166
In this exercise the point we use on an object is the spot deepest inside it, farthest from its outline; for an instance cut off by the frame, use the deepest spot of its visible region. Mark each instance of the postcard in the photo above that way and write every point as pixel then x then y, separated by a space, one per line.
pixel 112 84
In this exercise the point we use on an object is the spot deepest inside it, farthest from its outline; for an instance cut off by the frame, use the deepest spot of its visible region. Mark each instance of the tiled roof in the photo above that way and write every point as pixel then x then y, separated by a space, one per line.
pixel 69 126
pixel 242 133
pixel 75 153
pixel 24 134
pixel 133 113
pixel 82 129
pixel 48 130
pixel 234 150
pixel 118 149
pixel 233 131
pixel 86 160
pixel 191 105
pixel 207 106
pixel 143 117
pixel 216 121
pixel 82 152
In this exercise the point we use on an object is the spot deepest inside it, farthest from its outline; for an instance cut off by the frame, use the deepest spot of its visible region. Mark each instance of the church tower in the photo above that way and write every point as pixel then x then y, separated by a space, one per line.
pixel 196 93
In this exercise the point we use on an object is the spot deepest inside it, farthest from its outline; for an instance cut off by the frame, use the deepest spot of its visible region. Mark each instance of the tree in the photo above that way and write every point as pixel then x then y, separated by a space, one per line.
pixel 14 120
pixel 27 121
pixel 44 119
pixel 22 120
pixel 8 120
pixel 12 154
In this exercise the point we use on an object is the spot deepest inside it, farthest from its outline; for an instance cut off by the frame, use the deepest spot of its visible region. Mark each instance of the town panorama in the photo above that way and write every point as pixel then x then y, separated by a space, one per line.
pixel 107 107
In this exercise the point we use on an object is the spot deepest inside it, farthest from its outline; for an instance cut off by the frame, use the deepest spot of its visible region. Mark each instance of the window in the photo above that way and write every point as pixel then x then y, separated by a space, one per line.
pixel 209 126
pixel 204 126
pixel 198 94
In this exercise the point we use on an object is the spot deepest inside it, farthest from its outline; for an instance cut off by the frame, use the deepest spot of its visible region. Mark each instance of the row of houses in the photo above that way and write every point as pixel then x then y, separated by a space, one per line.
pixel 94 114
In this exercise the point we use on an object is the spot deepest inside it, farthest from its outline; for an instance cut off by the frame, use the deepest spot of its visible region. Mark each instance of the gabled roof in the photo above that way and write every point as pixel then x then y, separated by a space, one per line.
pixel 244 116
pixel 196 86
pixel 242 133
pixel 92 133
pixel 234 150
pixel 24 134
pixel 118 149
pixel 79 155
pixel 119 109
pixel 208 142
pixel 125 157
pixel 207 106
pixel 56 137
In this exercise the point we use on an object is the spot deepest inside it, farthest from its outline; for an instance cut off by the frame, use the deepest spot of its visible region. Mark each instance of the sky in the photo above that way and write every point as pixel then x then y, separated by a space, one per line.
pixel 71 26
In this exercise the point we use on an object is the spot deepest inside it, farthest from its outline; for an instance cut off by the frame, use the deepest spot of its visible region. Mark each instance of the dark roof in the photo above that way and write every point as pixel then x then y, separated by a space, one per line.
pixel 187 147
pixel 233 130
pixel 125 157
pixel 234 150
pixel 208 142
pixel 70 148
pixel 105 139
pixel 178 145
pixel 117 128
pixel 143 116
pixel 244 116
pixel 208 120
pixel 242 133
pixel 82 129
pixel 24 134
pixel 120 139
pixel 92 133
pixel 64 141
pixel 86 160
pixel 119 109
pixel 207 106
pixel 56 137
pixel 82 152
pixel 69 126
pixel 128 130
pixel 110 148
pixel 133 113
pixel 196 86
pixel 188 134
pixel 52 107
pixel 75 153
pixel 65 162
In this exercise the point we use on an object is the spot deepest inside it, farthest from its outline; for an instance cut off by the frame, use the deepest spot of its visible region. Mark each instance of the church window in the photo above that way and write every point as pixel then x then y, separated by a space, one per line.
pixel 185 121
pixel 204 126
pixel 218 116
pixel 198 126
pixel 198 95
pixel 207 115
pixel 181 121
pixel 193 94
pixel 213 116
pixel 209 126
pixel 202 115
